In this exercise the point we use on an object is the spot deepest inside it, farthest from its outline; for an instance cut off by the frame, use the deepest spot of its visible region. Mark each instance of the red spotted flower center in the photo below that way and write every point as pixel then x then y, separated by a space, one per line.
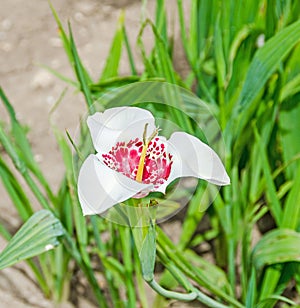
pixel 146 161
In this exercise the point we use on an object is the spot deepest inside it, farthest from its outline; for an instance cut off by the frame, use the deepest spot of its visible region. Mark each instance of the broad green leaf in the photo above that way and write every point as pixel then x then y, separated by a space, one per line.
pixel 277 246
pixel 38 234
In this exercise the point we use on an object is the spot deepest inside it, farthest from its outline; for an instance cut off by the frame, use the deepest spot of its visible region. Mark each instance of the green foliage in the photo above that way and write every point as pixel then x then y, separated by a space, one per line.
pixel 147 250
pixel 277 246
pixel 253 91
pixel 39 234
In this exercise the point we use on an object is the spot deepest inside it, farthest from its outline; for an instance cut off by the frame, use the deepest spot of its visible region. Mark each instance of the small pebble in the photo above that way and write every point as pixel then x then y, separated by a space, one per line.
pixel 89 47
pixel 38 158
pixel 87 8
pixel 49 247
pixel 3 36
pixel 6 47
pixel 260 42
pixel 24 43
pixel 50 100
pixel 19 116
pixel 83 32
pixel 55 64
pixel 55 42
pixel 42 79
pixel 78 16
pixel 6 24
pixel 107 9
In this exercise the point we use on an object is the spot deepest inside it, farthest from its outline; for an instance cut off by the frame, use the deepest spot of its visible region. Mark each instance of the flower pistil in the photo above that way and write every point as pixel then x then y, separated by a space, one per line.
pixel 139 174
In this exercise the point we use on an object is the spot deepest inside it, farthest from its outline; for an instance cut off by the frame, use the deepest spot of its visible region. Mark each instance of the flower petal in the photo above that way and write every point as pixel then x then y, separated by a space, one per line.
pixel 192 157
pixel 119 124
pixel 100 188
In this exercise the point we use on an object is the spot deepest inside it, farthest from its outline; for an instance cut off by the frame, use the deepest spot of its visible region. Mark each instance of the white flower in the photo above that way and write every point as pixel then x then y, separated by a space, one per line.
pixel 132 160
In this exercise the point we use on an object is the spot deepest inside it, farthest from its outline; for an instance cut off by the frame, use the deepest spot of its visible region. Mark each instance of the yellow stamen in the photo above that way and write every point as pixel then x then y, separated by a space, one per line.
pixel 140 171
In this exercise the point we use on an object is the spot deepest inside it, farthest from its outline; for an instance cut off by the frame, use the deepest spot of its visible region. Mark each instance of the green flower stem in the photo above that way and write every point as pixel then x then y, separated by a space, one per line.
pixel 201 297
pixel 182 279
pixel 171 294
pixel 177 257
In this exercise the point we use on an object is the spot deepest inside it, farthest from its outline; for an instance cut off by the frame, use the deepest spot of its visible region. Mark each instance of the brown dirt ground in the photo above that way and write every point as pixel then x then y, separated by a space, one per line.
pixel 28 38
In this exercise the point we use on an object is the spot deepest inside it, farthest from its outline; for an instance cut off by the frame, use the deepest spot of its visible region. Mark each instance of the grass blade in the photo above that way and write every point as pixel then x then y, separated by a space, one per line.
pixel 113 60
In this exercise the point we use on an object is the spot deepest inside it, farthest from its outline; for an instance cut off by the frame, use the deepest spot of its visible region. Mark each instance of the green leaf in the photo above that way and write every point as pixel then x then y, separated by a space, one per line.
pixel 289 128
pixel 214 274
pixel 148 252
pixel 38 234
pixel 290 88
pixel 15 191
pixel 272 300
pixel 19 148
pixel 112 83
pixel 219 54
pixel 81 73
pixel 266 61
pixel 291 214
pixel 67 43
pixel 273 201
pixel 277 246
pixel 112 63
pixel 79 220
pixel 251 292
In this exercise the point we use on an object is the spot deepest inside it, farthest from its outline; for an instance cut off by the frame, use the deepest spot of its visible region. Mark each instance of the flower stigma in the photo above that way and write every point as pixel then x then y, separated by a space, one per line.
pixel 140 171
